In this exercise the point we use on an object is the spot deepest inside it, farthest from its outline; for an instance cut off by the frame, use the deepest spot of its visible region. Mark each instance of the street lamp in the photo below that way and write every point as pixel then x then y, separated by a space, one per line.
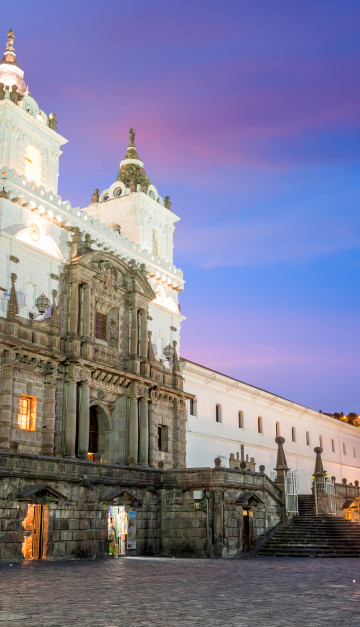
pixel 41 304
pixel 168 352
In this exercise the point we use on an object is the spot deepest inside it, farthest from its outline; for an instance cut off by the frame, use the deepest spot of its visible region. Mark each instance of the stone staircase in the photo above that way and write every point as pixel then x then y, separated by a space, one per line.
pixel 308 535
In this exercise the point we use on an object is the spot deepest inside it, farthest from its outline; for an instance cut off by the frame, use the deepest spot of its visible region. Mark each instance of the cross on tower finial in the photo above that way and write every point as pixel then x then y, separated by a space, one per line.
pixel 10 41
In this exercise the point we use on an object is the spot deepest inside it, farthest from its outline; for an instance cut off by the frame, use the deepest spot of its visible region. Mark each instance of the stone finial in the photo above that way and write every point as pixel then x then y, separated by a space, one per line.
pixel 131 461
pixel 344 481
pixel 280 459
pixel 176 365
pixel 75 243
pixel 151 356
pixel 217 462
pixel 13 307
pixel 243 464
pixel 319 469
pixel 356 482
pixel 14 96
pixel 131 138
pixel 52 121
pixel 161 465
pixel 168 203
pixel 95 196
pixel 262 469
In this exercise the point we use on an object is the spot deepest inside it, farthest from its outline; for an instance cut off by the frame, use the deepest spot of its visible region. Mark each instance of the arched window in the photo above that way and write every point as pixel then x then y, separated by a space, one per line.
pixel 33 164
pixel 241 419
pixel 277 429
pixel 293 434
pixel 333 445
pixel 308 438
pixel 260 424
pixel 321 441
pixel 344 448
pixel 155 243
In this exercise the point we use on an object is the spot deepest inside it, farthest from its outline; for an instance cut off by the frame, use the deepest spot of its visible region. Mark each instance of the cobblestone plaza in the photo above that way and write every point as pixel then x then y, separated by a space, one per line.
pixel 160 592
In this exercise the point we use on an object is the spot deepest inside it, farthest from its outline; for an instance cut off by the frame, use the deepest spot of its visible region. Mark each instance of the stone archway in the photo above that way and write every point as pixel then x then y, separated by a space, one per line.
pixel 100 429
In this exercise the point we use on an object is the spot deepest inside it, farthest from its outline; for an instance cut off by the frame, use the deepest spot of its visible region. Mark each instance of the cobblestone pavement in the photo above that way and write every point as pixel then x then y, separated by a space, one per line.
pixel 157 591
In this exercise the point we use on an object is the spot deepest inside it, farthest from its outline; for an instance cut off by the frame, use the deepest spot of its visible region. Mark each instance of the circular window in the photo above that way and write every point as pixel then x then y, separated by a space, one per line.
pixel 117 192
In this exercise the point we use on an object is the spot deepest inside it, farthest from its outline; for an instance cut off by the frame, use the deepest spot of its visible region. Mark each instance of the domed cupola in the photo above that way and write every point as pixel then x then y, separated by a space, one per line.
pixel 131 168
pixel 10 73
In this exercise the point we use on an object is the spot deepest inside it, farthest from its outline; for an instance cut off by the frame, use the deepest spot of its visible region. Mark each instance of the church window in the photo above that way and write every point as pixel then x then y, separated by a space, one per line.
pixel 260 424
pixel 100 325
pixel 320 441
pixel 307 438
pixel 277 429
pixel 333 445
pixel 27 413
pixel 33 164
pixel 241 419
pixel 354 451
pixel 344 448
pixel 293 434
pixel 163 438
pixel 218 413
pixel 193 407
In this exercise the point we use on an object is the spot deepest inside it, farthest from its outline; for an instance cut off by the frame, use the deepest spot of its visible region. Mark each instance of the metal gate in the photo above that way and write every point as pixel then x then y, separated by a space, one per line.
pixel 291 493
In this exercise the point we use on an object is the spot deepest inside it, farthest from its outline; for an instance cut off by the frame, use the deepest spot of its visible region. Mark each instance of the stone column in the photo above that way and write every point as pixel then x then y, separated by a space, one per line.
pixel 133 442
pixel 86 312
pixel 84 421
pixel 6 402
pixel 143 334
pixel 144 433
pixel 74 308
pixel 48 441
pixel 218 548
pixel 151 427
pixel 70 418
pixel 176 445
pixel 134 332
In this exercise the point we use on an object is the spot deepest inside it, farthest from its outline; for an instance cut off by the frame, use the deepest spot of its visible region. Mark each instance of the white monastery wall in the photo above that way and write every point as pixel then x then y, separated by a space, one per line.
pixel 207 438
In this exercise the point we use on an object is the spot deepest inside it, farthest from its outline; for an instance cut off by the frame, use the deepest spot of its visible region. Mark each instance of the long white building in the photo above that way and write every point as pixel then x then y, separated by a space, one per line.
pixel 227 413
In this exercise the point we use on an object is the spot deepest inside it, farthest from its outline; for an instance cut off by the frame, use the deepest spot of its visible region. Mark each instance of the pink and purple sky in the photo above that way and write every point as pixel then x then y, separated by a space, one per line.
pixel 248 115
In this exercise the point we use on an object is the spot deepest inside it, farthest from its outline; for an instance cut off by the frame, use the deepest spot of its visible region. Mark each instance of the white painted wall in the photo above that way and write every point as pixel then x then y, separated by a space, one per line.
pixel 207 439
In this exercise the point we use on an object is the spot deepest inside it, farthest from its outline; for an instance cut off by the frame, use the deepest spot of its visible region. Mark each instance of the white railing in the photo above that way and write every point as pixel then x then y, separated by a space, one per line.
pixel 291 493
pixel 324 484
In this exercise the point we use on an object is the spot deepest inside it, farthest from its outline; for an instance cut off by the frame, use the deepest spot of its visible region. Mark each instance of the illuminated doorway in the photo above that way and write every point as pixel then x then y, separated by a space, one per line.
pixel 36 525
pixel 117 530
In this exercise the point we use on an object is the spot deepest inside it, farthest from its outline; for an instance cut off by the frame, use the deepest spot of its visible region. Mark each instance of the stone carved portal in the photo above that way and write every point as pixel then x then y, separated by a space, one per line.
pixel 99 433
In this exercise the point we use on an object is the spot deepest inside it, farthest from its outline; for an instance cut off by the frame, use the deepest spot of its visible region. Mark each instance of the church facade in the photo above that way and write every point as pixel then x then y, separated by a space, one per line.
pixel 93 403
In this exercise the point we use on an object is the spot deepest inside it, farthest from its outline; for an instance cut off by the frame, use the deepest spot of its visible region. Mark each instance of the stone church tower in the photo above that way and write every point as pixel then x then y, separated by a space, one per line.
pixel 89 321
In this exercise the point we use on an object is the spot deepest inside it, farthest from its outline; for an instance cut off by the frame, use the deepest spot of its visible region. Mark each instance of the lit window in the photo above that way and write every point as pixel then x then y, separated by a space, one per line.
pixel 308 438
pixel 33 164
pixel 293 434
pixel 260 424
pixel 218 413
pixel 100 325
pixel 333 445
pixel 27 413
pixel 277 429
pixel 320 441
pixel 241 419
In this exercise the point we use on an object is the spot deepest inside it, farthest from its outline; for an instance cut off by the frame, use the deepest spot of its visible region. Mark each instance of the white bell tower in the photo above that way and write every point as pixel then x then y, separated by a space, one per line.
pixel 29 142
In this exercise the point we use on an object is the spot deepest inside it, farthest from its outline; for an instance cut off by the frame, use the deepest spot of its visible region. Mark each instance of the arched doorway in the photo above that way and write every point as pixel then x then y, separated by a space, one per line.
pixel 93 433
pixel 99 433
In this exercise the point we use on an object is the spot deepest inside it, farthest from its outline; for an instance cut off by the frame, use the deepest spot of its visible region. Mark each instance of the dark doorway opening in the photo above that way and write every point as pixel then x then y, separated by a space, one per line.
pixel 93 433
